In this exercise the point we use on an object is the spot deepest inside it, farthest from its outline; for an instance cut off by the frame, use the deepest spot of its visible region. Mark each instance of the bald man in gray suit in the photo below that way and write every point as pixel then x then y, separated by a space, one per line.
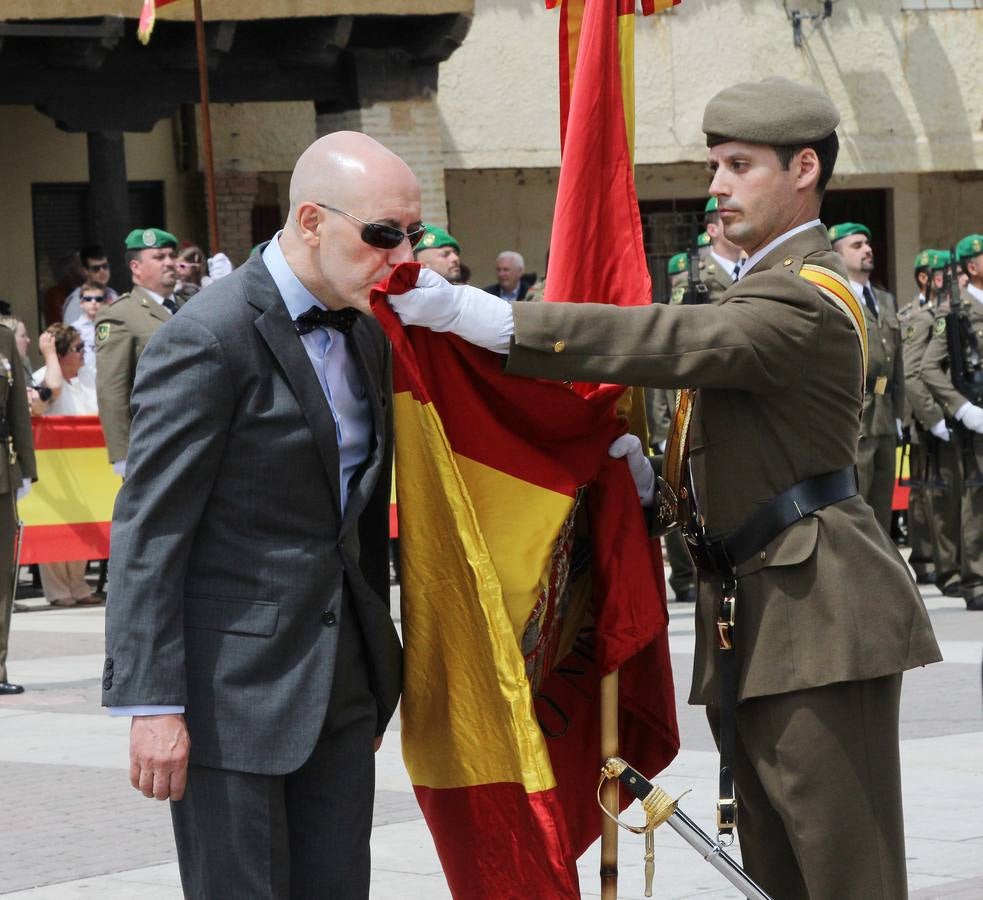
pixel 248 629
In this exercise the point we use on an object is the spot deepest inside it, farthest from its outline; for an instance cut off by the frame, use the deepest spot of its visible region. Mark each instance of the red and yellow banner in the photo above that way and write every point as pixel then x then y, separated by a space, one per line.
pixel 526 575
pixel 148 17
pixel 67 514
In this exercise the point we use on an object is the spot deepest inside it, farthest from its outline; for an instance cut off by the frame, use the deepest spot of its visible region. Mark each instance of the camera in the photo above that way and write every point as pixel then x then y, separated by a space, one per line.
pixel 44 392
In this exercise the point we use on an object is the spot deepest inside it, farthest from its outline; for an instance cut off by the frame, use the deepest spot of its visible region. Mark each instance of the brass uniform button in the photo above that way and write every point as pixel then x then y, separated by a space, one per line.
pixel 559 346
pixel 764 555
pixel 788 261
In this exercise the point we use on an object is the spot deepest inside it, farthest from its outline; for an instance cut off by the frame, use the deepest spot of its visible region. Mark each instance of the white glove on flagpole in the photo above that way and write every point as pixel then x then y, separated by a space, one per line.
pixel 630 447
pixel 24 489
pixel 469 312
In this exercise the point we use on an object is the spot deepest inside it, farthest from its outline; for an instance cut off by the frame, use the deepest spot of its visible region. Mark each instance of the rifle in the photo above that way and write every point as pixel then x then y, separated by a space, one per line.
pixel 965 368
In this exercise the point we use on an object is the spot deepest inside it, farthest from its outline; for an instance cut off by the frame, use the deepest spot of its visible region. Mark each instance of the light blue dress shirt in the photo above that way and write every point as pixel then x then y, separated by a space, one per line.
pixel 339 377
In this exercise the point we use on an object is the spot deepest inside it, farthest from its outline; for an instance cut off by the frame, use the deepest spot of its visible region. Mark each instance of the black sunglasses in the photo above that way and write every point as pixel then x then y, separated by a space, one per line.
pixel 99 298
pixel 384 237
pixel 98 267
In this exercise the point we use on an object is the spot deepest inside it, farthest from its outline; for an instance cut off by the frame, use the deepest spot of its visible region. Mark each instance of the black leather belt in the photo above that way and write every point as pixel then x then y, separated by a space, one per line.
pixel 721 556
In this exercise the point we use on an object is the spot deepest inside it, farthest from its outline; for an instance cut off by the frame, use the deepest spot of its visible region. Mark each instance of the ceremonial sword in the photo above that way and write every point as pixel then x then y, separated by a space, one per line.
pixel 659 808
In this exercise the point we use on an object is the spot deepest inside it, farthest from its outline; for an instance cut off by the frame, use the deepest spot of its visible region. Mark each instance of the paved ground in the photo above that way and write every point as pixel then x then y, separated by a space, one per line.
pixel 73 828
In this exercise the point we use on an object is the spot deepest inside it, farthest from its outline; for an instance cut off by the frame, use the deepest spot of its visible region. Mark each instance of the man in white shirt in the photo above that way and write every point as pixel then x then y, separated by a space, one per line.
pixel 95 268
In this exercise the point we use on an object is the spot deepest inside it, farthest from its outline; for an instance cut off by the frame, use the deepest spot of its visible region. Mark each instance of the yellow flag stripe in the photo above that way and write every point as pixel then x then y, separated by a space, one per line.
pixel 76 485
pixel 459 633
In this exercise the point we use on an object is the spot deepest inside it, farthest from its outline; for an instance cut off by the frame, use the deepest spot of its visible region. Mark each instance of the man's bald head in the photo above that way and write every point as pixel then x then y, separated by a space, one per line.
pixel 340 167
pixel 343 182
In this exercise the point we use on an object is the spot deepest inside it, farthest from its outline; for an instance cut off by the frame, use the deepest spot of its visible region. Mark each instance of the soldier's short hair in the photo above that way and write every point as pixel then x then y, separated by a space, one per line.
pixel 827 149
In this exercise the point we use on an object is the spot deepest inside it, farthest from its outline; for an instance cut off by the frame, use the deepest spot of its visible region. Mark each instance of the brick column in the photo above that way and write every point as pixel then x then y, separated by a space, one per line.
pixel 235 195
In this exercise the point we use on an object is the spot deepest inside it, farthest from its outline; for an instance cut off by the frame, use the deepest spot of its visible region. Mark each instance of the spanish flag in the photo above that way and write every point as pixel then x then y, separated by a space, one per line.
pixel 527 570
pixel 67 514
pixel 148 17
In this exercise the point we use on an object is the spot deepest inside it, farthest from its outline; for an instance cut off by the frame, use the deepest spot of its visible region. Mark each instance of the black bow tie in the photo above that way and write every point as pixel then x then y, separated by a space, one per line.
pixel 339 319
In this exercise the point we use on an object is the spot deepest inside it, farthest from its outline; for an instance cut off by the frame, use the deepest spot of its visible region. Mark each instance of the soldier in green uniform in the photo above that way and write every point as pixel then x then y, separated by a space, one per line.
pixel 124 327
pixel 723 263
pixel 806 611
pixel 17 471
pixel 884 397
pixel 936 478
pixel 967 417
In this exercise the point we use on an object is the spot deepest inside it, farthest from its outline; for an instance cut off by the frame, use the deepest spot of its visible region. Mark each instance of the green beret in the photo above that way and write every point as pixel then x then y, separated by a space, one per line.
pixel 774 111
pixel 149 239
pixel 940 259
pixel 969 246
pixel 703 240
pixel 845 229
pixel 678 263
pixel 434 236
pixel 711 205
pixel 924 259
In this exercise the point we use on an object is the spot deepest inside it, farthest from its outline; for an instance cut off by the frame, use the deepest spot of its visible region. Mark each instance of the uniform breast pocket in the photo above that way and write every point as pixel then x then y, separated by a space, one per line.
pixel 255 617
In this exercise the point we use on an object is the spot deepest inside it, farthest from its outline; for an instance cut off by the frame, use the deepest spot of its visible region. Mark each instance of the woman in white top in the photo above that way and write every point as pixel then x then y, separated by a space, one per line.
pixel 73 393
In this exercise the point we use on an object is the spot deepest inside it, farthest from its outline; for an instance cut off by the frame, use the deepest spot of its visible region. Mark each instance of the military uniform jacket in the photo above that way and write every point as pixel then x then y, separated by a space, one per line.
pixel 122 331
pixel 885 360
pixel 13 402
pixel 916 332
pixel 779 375
pixel 935 362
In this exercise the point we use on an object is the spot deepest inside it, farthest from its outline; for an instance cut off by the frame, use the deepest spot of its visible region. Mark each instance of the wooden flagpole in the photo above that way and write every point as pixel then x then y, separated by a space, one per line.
pixel 609 790
pixel 206 132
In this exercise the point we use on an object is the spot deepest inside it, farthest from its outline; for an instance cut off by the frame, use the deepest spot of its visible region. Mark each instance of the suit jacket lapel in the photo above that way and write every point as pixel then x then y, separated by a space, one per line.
pixel 277 329
pixel 360 345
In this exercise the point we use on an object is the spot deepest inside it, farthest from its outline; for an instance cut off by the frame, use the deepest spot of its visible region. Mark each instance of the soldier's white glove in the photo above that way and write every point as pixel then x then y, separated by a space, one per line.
pixel 119 467
pixel 469 312
pixel 24 489
pixel 971 416
pixel 219 266
pixel 900 427
pixel 630 447
pixel 940 430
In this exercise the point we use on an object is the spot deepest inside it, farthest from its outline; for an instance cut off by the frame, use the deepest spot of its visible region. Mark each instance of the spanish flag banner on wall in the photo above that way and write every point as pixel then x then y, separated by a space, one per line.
pixel 527 574
pixel 68 512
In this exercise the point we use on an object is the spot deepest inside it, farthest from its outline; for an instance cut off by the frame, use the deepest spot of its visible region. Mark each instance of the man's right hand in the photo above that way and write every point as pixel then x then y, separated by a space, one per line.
pixel 971 416
pixel 159 747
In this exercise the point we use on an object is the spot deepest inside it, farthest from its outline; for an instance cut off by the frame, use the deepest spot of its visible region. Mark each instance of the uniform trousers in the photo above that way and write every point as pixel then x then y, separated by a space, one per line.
pixel 970 458
pixel 8 534
pixel 876 474
pixel 818 780
pixel 300 836
pixel 943 494
pixel 65 580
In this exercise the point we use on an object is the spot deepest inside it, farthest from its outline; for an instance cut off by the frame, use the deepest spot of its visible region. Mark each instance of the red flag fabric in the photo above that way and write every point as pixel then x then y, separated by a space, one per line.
pixel 148 17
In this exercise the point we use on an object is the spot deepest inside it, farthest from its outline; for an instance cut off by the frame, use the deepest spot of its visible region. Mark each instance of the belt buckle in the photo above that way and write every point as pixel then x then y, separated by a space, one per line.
pixel 726 819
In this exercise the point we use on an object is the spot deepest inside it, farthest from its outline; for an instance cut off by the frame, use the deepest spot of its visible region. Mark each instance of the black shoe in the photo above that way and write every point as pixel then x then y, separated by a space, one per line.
pixel 686 596
pixel 924 576
pixel 952 588
pixel 975 604
pixel 7 688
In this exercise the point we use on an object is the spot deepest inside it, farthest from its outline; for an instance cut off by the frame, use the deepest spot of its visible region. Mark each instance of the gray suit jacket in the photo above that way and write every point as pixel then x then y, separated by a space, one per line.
pixel 230 558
